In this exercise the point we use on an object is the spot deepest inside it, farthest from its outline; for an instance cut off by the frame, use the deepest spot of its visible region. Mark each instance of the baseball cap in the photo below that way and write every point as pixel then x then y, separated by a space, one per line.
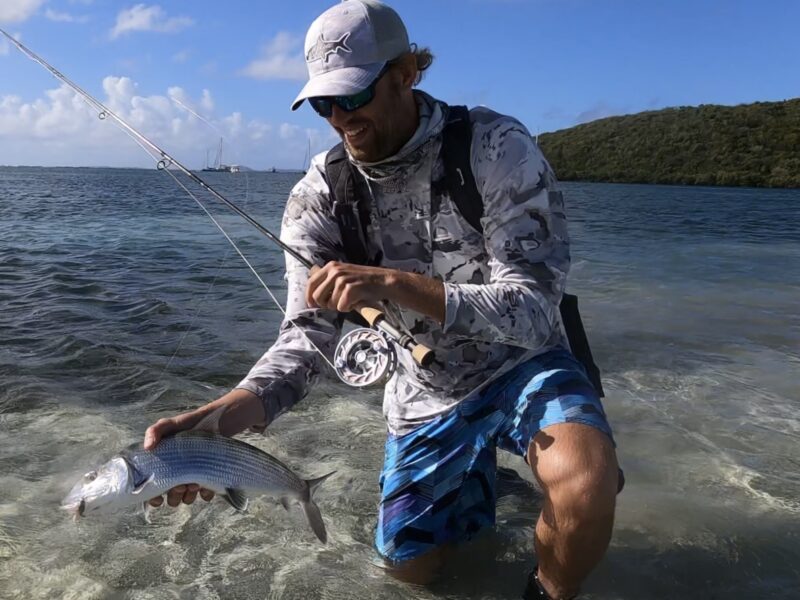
pixel 348 45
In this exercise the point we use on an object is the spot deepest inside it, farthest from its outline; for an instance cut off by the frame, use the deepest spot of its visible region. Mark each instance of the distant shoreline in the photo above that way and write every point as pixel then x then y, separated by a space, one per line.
pixel 153 168
pixel 682 184
pixel 750 145
pixel 299 172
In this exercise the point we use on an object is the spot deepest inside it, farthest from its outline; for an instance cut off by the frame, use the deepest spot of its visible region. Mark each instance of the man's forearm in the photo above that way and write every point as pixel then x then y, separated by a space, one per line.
pixel 422 294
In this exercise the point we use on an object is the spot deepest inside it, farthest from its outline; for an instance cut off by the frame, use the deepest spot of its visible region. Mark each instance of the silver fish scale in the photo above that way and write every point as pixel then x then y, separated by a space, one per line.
pixel 215 461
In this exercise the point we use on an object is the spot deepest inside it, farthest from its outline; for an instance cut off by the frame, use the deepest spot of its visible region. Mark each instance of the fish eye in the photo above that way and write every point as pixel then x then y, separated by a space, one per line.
pixel 90 476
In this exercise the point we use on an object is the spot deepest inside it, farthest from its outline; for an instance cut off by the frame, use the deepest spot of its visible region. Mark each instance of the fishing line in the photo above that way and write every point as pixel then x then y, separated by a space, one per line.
pixel 164 159
pixel 192 112
pixel 195 315
pixel 209 288
pixel 249 265
pixel 353 366
pixel 210 124
pixel 163 163
pixel 422 355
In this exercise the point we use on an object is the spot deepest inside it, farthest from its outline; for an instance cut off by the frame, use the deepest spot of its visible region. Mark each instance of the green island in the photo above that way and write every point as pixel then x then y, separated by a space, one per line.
pixel 755 145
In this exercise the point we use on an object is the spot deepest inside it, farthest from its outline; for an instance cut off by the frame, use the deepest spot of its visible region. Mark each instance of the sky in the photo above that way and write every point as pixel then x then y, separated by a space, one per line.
pixel 189 73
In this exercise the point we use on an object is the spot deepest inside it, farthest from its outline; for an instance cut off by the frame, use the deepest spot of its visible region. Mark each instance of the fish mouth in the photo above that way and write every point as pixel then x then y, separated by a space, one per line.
pixel 76 509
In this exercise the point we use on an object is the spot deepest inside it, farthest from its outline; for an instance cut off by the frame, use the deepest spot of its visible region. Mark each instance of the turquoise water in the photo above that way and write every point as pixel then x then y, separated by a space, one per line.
pixel 121 303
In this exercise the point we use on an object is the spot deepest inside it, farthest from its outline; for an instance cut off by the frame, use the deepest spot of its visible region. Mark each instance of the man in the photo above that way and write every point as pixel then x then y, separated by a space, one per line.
pixel 486 303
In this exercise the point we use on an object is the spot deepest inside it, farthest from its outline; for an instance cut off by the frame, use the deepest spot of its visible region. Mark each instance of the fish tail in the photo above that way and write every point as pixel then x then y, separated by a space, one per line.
pixel 314 517
pixel 313 484
pixel 311 510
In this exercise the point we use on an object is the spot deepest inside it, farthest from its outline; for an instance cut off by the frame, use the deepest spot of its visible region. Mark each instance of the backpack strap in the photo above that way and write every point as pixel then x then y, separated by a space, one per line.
pixel 347 190
pixel 578 342
pixel 458 179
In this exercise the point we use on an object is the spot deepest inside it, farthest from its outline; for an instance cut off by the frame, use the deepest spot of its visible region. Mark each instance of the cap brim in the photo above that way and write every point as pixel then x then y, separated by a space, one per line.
pixel 339 82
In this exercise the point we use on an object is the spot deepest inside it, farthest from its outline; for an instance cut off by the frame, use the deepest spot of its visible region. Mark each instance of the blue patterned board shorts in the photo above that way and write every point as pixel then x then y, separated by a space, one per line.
pixel 438 481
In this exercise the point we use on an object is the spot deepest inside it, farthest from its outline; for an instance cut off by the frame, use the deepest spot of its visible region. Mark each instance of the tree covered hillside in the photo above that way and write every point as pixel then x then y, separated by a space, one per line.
pixel 746 145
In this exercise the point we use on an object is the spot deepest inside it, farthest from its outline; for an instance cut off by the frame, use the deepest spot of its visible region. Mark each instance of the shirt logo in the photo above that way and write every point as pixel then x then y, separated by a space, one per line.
pixel 324 48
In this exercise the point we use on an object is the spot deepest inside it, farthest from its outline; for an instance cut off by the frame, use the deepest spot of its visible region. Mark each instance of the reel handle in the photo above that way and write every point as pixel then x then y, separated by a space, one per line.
pixel 376 318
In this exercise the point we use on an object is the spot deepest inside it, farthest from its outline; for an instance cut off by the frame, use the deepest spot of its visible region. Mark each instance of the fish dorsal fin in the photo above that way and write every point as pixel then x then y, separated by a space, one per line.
pixel 211 421
pixel 236 498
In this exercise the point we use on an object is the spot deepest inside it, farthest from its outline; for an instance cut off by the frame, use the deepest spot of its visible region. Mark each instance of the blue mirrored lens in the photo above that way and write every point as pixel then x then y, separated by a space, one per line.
pixel 355 101
pixel 322 105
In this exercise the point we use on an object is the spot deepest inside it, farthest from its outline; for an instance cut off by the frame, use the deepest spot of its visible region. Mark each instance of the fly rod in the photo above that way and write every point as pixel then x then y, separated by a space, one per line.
pixel 164 161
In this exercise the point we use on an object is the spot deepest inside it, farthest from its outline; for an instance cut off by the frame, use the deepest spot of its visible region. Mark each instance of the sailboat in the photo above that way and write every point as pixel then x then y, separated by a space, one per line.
pixel 218 166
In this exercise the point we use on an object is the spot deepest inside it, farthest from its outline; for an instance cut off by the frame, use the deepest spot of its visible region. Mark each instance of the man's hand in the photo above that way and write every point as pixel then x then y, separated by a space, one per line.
pixel 243 409
pixel 345 287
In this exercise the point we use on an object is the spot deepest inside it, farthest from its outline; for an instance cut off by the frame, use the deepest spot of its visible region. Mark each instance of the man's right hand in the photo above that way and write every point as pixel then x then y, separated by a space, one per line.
pixel 243 409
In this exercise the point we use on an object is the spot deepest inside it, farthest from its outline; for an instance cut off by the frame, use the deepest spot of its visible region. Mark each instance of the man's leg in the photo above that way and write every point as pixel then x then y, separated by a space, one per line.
pixel 576 466
pixel 437 489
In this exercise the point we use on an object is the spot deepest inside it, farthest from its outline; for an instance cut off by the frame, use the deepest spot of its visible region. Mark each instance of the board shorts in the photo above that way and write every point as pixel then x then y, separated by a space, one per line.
pixel 438 480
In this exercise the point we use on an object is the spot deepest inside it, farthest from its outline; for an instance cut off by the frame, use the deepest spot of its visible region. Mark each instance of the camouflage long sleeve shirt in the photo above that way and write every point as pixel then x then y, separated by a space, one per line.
pixel 503 287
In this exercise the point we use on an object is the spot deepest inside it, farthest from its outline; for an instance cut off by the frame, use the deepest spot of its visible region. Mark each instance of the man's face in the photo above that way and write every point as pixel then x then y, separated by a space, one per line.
pixel 375 131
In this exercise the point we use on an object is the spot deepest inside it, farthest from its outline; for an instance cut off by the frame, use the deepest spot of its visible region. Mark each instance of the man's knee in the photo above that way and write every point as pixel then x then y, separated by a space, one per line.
pixel 586 496
pixel 576 466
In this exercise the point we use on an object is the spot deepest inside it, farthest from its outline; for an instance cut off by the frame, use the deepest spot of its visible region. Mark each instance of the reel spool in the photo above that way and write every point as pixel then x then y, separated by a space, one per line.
pixel 364 357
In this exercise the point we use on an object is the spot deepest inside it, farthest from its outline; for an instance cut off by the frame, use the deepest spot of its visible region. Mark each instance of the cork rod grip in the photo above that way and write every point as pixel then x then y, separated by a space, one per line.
pixel 371 315
pixel 422 354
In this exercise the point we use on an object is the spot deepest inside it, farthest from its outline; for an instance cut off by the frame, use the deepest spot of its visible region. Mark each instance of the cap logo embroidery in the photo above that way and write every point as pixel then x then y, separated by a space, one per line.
pixel 324 48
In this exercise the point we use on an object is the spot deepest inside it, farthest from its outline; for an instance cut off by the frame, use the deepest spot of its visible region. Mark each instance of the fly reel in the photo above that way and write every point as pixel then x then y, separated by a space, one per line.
pixel 364 357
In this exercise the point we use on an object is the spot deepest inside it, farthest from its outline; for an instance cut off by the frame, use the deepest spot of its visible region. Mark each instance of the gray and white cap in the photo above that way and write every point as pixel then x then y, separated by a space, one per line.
pixel 348 45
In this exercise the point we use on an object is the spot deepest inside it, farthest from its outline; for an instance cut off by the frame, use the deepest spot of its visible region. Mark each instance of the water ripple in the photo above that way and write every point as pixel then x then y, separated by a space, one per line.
pixel 120 303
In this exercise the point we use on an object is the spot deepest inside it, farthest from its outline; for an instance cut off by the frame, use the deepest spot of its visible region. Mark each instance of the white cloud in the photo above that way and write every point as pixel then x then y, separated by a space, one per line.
pixel 12 11
pixel 148 18
pixel 59 128
pixel 181 57
pixel 63 17
pixel 288 131
pixel 206 102
pixel 281 58
pixel 209 69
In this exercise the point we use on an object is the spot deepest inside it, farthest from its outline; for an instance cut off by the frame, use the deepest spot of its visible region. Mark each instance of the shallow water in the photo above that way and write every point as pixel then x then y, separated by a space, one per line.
pixel 121 303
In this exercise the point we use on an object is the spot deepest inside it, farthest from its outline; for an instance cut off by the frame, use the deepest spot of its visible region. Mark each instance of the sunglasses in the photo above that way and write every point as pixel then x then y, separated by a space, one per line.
pixel 324 104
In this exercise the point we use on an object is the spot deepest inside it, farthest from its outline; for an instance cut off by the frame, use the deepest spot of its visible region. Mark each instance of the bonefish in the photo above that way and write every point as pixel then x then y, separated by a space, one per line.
pixel 228 467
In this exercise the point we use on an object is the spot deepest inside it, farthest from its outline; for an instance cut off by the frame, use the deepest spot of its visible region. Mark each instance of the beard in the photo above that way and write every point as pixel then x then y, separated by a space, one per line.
pixel 384 136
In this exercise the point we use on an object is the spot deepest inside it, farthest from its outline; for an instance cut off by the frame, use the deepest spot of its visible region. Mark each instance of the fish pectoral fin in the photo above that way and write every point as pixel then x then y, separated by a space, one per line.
pixel 133 473
pixel 211 421
pixel 147 508
pixel 285 503
pixel 236 498
pixel 138 489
